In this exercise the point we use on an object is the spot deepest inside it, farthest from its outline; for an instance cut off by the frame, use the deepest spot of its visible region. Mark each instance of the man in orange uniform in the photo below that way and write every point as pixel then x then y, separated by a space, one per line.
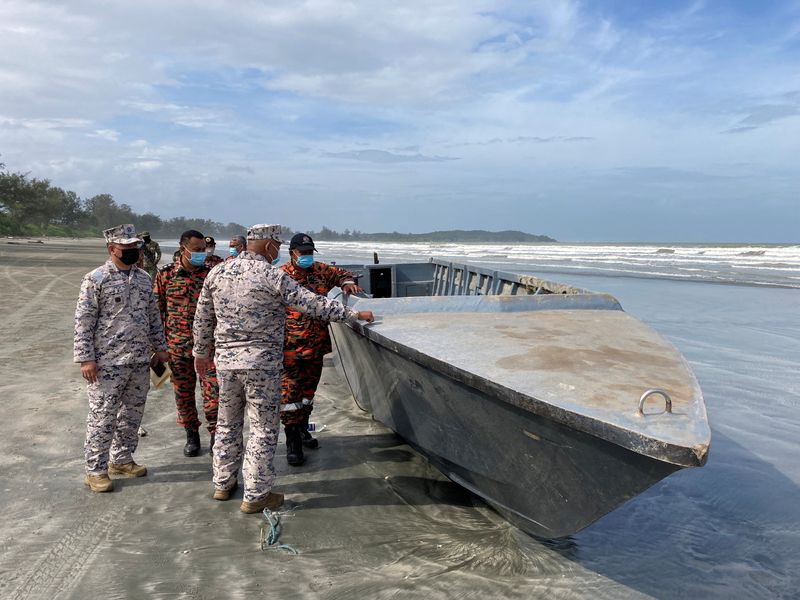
pixel 305 342
pixel 177 288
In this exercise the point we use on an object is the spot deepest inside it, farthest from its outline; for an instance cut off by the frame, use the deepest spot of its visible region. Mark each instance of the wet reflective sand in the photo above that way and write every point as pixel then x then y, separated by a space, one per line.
pixel 367 515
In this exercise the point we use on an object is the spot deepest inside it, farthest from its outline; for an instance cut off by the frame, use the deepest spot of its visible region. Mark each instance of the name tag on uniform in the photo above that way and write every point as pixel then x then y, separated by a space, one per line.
pixel 115 289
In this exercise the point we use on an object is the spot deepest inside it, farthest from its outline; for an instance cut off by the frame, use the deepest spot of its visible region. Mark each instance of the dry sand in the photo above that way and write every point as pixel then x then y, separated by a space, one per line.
pixel 367 515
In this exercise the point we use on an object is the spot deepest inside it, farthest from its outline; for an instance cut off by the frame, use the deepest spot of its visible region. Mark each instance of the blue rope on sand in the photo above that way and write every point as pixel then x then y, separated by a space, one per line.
pixel 270 538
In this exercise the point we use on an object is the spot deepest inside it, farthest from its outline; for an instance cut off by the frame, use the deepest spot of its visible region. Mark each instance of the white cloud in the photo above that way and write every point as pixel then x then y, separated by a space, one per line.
pixel 106 134
pixel 383 91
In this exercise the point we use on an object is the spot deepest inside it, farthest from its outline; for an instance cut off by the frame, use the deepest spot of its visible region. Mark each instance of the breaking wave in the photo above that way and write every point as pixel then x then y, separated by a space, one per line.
pixel 772 265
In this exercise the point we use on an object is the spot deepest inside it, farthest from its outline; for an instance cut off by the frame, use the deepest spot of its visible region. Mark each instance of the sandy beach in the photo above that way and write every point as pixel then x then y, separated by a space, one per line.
pixel 353 511
pixel 368 517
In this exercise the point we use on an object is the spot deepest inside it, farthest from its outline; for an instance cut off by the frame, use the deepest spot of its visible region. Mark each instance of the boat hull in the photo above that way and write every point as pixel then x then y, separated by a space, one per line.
pixel 547 478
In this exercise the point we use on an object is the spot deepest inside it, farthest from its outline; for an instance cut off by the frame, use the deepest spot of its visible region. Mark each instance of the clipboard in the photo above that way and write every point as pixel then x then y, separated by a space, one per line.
pixel 159 373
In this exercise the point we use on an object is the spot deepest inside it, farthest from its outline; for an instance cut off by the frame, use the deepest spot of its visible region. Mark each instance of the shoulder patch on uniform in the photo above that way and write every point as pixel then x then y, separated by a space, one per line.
pixel 98 275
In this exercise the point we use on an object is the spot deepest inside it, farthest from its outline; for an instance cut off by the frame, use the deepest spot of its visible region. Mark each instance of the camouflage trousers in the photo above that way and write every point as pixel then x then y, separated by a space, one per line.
pixel 299 380
pixel 184 382
pixel 116 406
pixel 259 392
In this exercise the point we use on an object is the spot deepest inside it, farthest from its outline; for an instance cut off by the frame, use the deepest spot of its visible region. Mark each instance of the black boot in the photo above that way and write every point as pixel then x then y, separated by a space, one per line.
pixel 294 446
pixel 305 434
pixel 192 447
pixel 211 443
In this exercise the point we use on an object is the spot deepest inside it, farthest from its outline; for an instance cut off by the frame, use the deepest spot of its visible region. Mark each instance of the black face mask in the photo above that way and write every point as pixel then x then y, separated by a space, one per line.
pixel 129 256
pixel 146 239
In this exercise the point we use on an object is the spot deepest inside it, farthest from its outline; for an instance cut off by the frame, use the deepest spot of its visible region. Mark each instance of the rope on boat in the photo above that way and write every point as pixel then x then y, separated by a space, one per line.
pixel 269 537
pixel 346 378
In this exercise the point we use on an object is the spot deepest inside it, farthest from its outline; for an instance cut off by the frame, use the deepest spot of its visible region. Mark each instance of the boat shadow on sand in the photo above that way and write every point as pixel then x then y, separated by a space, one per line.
pixel 730 525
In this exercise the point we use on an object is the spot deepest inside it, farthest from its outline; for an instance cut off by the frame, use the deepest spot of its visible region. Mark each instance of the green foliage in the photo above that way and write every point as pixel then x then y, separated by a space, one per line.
pixel 7 225
pixel 32 207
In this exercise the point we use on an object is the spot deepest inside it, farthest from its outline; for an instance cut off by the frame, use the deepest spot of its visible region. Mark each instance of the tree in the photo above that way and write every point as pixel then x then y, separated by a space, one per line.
pixel 27 202
pixel 148 222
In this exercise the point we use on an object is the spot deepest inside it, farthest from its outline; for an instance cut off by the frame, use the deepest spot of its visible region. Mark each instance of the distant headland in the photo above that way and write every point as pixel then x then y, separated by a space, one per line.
pixel 448 236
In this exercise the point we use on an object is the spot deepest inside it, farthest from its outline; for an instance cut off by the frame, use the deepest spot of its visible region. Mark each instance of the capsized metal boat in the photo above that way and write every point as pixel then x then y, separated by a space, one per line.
pixel 549 402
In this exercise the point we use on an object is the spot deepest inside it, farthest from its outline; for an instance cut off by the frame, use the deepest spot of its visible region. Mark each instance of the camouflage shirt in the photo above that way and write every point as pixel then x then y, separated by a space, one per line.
pixel 116 320
pixel 306 336
pixel 212 260
pixel 242 310
pixel 151 253
pixel 177 291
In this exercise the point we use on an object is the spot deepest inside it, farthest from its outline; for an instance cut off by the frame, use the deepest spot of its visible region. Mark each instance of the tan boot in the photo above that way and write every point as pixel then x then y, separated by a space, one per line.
pixel 99 483
pixel 225 494
pixel 130 469
pixel 272 501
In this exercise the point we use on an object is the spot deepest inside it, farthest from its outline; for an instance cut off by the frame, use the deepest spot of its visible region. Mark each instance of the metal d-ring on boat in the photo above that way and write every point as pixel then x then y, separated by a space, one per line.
pixel 651 392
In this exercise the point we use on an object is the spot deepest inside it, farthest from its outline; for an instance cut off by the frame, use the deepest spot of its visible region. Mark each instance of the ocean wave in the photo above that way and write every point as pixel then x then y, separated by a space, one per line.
pixel 746 264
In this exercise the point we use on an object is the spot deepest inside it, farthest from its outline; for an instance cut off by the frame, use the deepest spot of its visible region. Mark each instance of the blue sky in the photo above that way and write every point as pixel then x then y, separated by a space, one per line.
pixel 586 121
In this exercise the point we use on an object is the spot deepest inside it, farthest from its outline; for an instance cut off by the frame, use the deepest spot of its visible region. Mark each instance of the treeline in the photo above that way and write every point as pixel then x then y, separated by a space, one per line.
pixel 34 207
pixel 455 235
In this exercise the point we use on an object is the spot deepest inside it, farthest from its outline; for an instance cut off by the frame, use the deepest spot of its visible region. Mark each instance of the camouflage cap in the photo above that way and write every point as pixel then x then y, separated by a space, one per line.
pixel 122 234
pixel 264 232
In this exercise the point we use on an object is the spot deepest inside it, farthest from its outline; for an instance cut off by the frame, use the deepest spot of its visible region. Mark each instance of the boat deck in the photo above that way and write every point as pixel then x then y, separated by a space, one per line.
pixel 586 367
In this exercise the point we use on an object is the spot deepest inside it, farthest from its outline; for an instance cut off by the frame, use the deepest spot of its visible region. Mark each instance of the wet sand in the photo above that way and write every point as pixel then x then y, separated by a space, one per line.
pixel 367 515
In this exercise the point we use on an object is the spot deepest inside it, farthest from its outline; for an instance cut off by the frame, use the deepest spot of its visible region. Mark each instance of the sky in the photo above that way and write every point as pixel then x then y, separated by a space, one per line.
pixel 585 121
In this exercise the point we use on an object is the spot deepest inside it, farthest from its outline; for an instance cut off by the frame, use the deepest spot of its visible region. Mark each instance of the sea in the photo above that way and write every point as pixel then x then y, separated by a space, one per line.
pixel 738 264
pixel 730 529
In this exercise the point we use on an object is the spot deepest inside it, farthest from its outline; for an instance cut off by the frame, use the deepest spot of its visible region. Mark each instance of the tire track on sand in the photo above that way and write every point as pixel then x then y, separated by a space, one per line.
pixel 18 319
pixel 62 566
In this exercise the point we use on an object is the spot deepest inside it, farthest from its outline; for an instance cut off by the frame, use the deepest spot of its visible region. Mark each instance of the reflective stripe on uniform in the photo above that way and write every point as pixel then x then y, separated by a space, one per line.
pixel 296 405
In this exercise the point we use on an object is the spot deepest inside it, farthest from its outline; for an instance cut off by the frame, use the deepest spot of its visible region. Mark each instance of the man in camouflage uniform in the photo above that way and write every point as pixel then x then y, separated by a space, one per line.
pixel 117 329
pixel 177 289
pixel 212 260
pixel 305 342
pixel 151 255
pixel 241 314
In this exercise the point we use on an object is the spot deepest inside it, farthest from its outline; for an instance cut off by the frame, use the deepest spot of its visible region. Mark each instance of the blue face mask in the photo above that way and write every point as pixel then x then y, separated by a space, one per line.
pixel 233 252
pixel 305 261
pixel 277 258
pixel 197 259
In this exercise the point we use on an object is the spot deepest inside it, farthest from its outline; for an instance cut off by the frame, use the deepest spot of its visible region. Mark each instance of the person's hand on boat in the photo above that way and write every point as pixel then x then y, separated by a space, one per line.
pixel 365 315
pixel 351 288
pixel 89 370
